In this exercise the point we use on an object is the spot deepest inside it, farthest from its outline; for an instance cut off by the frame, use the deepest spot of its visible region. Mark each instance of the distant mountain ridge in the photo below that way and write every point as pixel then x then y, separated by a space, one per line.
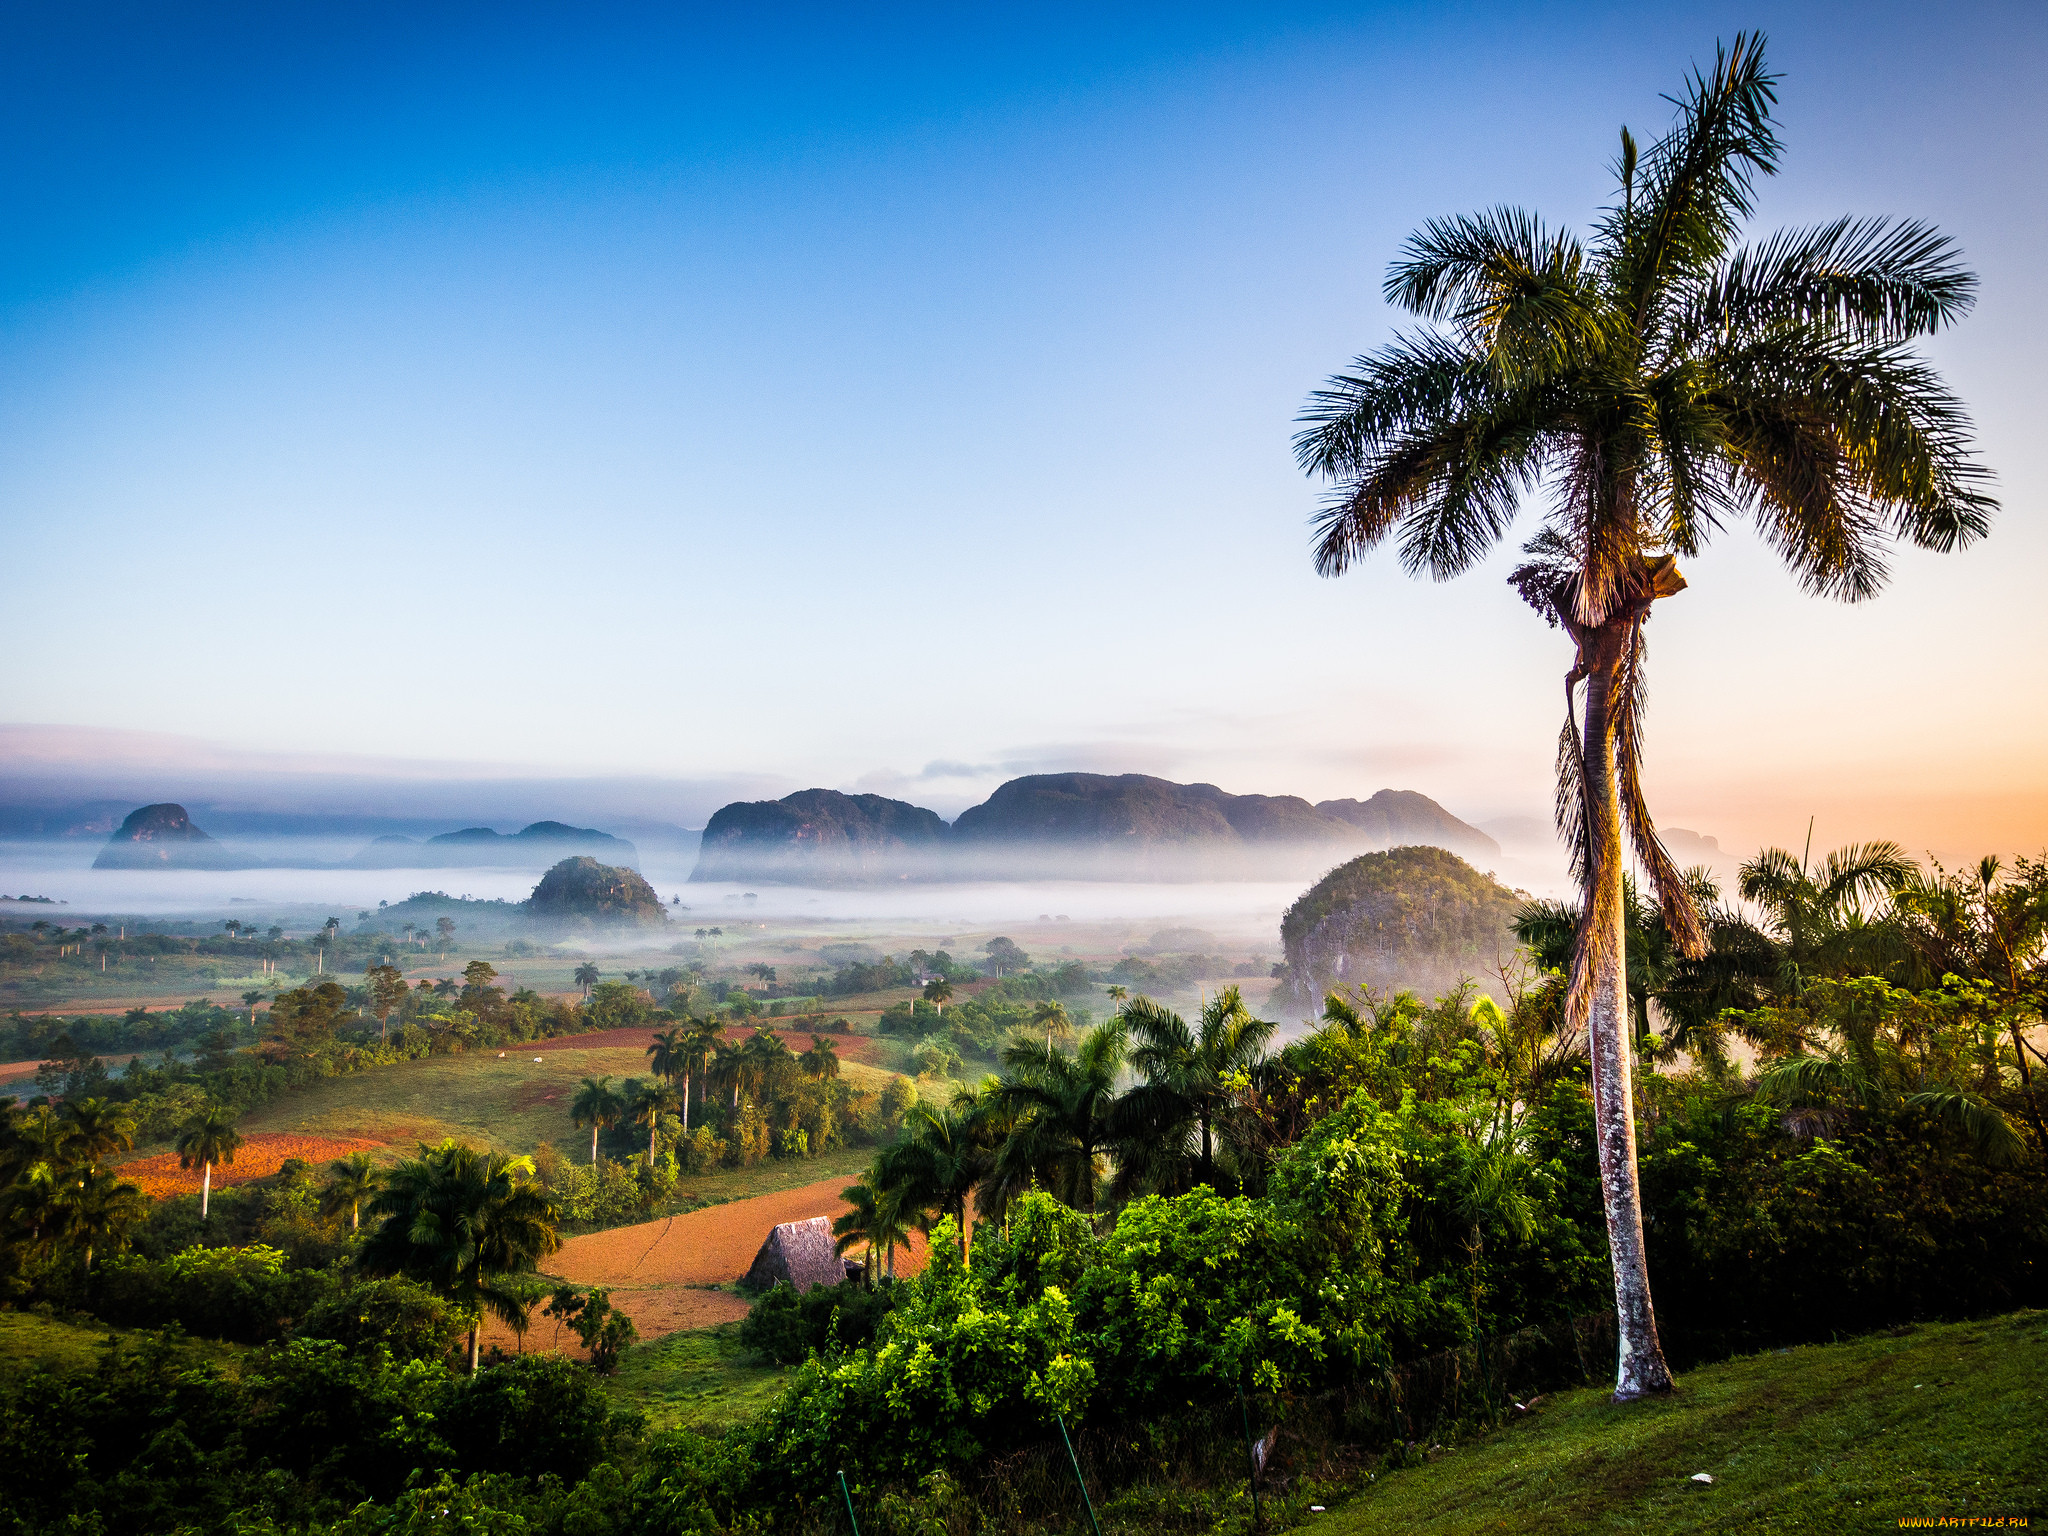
pixel 1082 825
pixel 544 842
pixel 164 837
pixel 813 833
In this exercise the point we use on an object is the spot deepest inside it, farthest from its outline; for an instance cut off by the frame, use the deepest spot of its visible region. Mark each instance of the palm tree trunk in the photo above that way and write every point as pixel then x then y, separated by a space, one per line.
pixel 1641 1369
pixel 475 1329
pixel 205 1188
pixel 355 1216
pixel 651 1129
pixel 686 1103
pixel 593 1143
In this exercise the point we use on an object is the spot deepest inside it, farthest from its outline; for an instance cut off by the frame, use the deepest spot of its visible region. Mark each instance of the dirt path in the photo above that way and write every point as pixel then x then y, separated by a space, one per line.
pixel 667 1275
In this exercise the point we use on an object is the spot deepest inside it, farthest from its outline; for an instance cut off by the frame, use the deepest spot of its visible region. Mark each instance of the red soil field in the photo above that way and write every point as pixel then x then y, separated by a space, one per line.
pixel 260 1155
pixel 663 1274
pixel 862 1048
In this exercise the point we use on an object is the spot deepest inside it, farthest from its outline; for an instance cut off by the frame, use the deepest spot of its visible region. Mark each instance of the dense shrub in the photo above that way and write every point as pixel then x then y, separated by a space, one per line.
pixel 533 1415
pixel 787 1327
pixel 243 1294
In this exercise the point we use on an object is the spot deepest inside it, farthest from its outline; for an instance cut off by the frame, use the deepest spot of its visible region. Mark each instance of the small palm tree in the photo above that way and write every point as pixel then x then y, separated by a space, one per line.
pixel 821 1061
pixel 586 976
pixel 98 1128
pixel 463 1221
pixel 249 1001
pixel 934 1168
pixel 938 992
pixel 100 1210
pixel 1186 1083
pixel 351 1180
pixel 1819 915
pixel 871 1220
pixel 1118 994
pixel 596 1106
pixel 209 1137
pixel 1062 1106
pixel 1053 1018
pixel 649 1104
pixel 1661 380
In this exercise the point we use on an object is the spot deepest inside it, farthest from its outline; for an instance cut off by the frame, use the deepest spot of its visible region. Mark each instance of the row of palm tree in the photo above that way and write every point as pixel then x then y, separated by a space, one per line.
pixel 1134 1107
pixel 696 1050
pixel 58 1191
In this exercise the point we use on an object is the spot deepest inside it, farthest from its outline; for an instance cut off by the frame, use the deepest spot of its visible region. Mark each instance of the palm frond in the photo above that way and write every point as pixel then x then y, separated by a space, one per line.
pixel 1697 183
pixel 1872 279
pixel 1983 1125
pixel 1513 288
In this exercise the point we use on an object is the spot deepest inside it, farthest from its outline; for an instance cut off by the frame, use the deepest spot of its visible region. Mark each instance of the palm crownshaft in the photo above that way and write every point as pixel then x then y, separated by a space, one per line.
pixel 1660 380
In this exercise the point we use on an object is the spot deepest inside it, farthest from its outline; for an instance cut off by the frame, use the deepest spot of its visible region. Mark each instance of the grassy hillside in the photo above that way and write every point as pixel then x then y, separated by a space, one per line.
pixel 1947 1420
pixel 28 1339
pixel 701 1378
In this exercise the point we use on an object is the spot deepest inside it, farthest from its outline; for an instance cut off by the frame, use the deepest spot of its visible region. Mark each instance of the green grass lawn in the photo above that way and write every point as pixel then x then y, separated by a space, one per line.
pixel 28 1339
pixel 699 1378
pixel 1941 1420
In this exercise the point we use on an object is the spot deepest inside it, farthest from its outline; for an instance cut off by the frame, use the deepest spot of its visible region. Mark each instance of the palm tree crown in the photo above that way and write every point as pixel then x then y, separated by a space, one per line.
pixel 461 1220
pixel 1166 1123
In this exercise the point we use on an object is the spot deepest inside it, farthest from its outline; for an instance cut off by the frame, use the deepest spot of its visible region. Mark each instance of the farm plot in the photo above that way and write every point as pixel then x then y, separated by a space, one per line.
pixel 258 1157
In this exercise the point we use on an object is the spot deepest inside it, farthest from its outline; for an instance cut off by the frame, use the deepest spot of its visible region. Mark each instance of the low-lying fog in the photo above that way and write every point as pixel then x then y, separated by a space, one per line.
pixel 1243 912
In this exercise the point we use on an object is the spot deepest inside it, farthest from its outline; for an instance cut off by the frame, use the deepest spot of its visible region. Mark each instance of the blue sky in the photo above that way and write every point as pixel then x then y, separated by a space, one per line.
pixel 902 400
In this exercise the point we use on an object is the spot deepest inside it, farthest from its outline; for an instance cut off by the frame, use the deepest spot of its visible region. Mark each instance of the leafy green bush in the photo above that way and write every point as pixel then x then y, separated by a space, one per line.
pixel 244 1294
pixel 393 1313
pixel 787 1327
pixel 530 1416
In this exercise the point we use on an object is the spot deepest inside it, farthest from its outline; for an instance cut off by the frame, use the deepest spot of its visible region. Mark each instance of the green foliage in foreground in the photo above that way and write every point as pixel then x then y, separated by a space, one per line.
pixel 1942 1420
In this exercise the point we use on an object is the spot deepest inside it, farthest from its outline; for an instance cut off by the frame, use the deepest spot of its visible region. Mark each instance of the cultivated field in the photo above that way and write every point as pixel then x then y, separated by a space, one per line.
pixel 258 1157
pixel 511 1100
pixel 676 1273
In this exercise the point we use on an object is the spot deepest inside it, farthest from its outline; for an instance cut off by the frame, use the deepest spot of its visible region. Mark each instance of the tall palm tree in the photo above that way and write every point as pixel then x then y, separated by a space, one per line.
pixel 1117 994
pixel 665 1052
pixel 350 1181
pixel 649 1104
pixel 462 1220
pixel 699 1042
pixel 1063 1106
pixel 1659 380
pixel 934 1168
pixel 871 1219
pixel 1052 1017
pixel 585 976
pixel 596 1106
pixel 249 1001
pixel 1186 1075
pixel 209 1137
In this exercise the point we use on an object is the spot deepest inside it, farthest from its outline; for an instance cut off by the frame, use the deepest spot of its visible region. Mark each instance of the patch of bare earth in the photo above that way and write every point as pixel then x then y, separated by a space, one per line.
pixel 666 1275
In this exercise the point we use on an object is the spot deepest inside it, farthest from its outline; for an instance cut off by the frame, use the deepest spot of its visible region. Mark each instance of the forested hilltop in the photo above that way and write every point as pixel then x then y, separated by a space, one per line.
pixel 1069 826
